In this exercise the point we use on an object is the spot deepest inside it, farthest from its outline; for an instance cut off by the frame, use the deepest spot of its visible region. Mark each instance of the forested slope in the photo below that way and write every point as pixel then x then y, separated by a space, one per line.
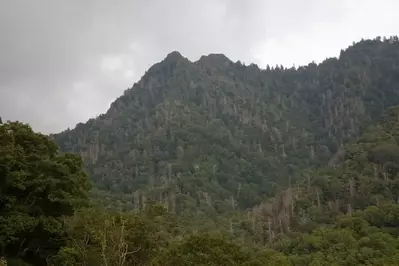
pixel 347 215
pixel 214 135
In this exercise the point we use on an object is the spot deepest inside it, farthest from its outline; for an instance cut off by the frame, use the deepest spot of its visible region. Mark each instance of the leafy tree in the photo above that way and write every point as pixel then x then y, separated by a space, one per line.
pixel 38 187
pixel 203 249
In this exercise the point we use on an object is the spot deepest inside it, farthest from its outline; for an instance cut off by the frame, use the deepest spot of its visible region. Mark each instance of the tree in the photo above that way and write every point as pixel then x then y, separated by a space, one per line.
pixel 38 187
pixel 203 249
pixel 98 237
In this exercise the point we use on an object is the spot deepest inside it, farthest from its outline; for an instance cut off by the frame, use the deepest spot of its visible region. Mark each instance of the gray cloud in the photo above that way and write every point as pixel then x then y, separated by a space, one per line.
pixel 62 62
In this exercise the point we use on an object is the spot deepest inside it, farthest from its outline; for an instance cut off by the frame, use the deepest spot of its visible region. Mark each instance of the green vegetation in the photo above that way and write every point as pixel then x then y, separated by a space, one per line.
pixel 213 136
pixel 217 163
pixel 38 187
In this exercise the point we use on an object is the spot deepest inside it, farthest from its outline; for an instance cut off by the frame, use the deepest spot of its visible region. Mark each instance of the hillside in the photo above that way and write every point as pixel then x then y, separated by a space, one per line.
pixel 212 136
pixel 347 215
pixel 216 163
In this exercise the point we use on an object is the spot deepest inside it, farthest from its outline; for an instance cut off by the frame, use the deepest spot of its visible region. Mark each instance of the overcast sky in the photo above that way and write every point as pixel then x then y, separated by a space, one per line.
pixel 64 61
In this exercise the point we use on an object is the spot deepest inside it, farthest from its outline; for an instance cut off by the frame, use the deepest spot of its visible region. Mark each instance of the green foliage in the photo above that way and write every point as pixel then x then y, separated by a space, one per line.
pixel 358 199
pixel 38 186
pixel 100 238
pixel 204 250
pixel 352 242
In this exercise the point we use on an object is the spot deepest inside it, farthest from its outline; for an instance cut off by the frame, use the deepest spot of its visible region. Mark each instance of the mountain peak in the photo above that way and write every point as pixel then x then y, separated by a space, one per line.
pixel 214 61
pixel 174 57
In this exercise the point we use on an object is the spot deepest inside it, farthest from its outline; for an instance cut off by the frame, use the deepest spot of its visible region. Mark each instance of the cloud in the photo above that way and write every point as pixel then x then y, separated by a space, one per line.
pixel 111 63
pixel 65 61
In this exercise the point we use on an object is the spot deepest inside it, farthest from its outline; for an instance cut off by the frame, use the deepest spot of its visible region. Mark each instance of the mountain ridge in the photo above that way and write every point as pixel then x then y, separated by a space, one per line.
pixel 177 132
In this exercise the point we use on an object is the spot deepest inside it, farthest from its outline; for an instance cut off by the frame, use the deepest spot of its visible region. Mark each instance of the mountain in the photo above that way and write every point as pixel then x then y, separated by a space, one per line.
pixel 217 163
pixel 215 136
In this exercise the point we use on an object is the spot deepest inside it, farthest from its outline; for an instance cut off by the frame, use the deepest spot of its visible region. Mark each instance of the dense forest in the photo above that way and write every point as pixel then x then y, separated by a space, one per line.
pixel 216 163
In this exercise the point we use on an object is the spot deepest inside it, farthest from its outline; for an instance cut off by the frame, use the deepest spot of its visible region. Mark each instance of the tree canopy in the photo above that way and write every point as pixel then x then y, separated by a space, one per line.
pixel 38 186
